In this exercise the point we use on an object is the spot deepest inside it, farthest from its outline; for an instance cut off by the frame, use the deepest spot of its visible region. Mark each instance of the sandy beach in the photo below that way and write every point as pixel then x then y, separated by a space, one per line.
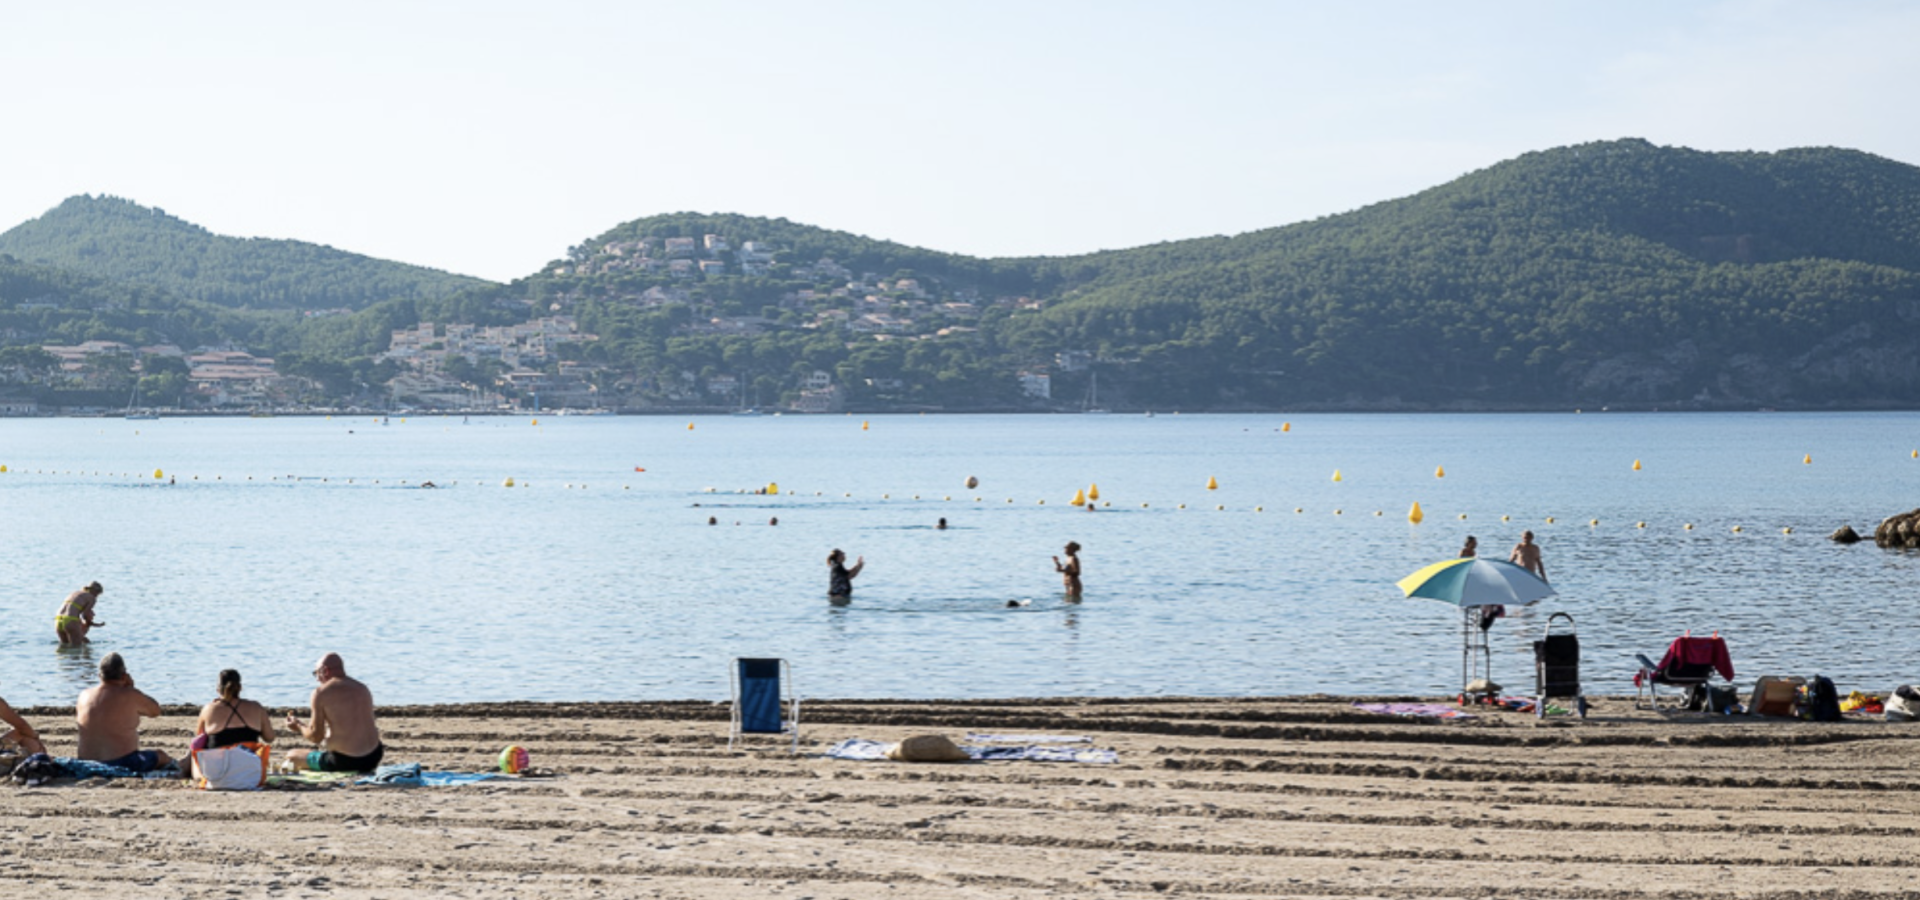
pixel 1285 797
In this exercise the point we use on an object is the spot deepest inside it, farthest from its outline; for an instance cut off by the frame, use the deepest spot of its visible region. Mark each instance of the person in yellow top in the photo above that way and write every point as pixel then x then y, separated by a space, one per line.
pixel 76 615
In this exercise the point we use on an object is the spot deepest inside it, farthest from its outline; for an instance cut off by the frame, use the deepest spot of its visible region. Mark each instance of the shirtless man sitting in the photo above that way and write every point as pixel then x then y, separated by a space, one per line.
pixel 18 733
pixel 109 717
pixel 341 724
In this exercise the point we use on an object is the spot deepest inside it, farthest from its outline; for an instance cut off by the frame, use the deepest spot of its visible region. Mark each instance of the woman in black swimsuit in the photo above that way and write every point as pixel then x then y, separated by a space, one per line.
pixel 230 720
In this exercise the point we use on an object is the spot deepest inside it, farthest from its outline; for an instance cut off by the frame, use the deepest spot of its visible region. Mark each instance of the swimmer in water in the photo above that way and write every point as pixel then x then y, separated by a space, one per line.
pixel 1070 571
pixel 942 526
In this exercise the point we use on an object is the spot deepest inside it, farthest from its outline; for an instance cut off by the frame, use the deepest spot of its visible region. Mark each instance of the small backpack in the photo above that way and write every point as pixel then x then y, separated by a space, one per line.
pixel 1823 702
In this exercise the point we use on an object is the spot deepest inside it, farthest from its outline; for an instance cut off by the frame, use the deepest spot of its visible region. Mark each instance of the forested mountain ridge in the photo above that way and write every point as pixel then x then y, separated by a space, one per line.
pixel 1613 272
pixel 119 240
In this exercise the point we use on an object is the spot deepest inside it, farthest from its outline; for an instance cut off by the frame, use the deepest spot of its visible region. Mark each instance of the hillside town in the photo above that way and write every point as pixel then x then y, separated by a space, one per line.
pixel 540 363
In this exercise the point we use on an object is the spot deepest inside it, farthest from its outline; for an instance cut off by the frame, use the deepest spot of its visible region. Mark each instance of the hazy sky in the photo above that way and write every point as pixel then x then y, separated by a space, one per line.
pixel 486 138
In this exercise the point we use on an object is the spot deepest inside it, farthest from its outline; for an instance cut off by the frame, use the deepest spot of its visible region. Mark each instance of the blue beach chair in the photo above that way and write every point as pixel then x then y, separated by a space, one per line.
pixel 760 688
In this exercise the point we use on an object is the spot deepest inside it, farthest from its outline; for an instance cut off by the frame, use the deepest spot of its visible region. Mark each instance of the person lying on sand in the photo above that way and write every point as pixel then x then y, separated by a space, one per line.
pixel 19 733
pixel 109 718
pixel 341 723
pixel 75 618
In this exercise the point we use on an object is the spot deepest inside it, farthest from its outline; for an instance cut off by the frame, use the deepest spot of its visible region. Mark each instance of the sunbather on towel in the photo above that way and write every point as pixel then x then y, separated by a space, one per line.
pixel 109 718
pixel 341 723
pixel 18 732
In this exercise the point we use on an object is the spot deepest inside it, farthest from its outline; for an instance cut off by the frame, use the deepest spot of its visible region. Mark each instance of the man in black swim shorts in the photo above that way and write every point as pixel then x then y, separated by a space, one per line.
pixel 341 723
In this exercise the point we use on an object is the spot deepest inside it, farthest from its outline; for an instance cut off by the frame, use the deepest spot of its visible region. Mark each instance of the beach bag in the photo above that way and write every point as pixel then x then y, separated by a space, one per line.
pixel 927 748
pixel 1904 705
pixel 1723 699
pixel 238 767
pixel 37 770
pixel 1823 702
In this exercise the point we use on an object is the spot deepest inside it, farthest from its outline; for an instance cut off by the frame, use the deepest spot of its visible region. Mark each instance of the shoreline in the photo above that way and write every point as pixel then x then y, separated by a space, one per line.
pixel 1282 796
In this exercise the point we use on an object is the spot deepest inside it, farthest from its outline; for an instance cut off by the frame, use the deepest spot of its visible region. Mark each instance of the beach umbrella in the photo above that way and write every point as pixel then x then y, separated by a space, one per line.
pixel 1471 581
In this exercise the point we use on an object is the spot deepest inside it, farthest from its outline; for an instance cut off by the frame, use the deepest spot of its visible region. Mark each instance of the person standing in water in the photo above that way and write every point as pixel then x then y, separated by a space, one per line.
pixel 1070 571
pixel 1526 555
pixel 1471 549
pixel 76 615
pixel 839 577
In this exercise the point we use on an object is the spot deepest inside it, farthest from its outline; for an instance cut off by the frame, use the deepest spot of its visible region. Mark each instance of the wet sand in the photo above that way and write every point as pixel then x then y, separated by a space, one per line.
pixel 1290 797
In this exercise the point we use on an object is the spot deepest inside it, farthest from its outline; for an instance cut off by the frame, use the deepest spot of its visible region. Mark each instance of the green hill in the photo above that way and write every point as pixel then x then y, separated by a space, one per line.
pixel 119 240
pixel 1612 273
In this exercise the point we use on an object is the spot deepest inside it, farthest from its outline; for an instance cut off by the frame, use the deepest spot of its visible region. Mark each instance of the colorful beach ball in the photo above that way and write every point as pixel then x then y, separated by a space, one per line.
pixel 513 760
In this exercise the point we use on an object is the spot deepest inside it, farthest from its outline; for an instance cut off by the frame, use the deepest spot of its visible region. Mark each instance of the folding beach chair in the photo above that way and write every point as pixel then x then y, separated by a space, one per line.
pixel 761 687
pixel 1689 663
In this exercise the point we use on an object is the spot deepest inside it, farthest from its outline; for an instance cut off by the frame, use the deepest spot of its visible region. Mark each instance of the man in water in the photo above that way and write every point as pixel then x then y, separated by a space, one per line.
pixel 75 618
pixel 109 718
pixel 18 733
pixel 341 723
pixel 1526 555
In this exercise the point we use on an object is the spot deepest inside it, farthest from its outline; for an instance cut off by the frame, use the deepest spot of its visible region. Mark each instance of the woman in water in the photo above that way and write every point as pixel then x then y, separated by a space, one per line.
pixel 839 577
pixel 1070 572
pixel 229 720
pixel 1472 548
pixel 76 615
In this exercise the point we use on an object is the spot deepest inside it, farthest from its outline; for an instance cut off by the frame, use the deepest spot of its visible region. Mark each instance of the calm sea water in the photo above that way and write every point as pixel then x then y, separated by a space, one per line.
pixel 285 538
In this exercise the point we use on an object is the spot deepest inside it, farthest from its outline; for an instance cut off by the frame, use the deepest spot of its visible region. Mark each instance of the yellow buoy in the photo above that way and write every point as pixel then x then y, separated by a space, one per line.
pixel 1336 512
pixel 1259 509
pixel 1378 513
pixel 1439 471
pixel 1079 498
pixel 1549 520
pixel 3 469
pixel 1212 485
pixel 1093 492
pixel 536 421
pixel 1286 426
pixel 1636 465
pixel 1736 529
pixel 1143 506
pixel 1220 508
pixel 1042 502
pixel 1639 524
pixel 689 426
pixel 507 483
pixel 886 496
pixel 1591 522
pixel 1808 459
pixel 1687 527
pixel 1336 474
pixel 1787 530
pixel 1414 515
pixel 773 487
pixel 1506 518
pixel 159 474
pixel 1181 506
pixel 863 426
pixel 1298 509
pixel 1463 517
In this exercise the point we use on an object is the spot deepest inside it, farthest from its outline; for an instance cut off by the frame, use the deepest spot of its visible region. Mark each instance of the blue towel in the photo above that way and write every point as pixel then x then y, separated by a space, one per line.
pixel 86 768
pixel 1044 754
pixel 411 775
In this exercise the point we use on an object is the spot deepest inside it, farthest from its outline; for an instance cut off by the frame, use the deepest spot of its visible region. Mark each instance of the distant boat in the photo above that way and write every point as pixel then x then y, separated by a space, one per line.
pixel 1092 407
pixel 138 414
pixel 745 411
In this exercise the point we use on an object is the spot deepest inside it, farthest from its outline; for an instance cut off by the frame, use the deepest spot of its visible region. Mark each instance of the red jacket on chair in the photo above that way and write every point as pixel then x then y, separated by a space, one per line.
pixel 1695 651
